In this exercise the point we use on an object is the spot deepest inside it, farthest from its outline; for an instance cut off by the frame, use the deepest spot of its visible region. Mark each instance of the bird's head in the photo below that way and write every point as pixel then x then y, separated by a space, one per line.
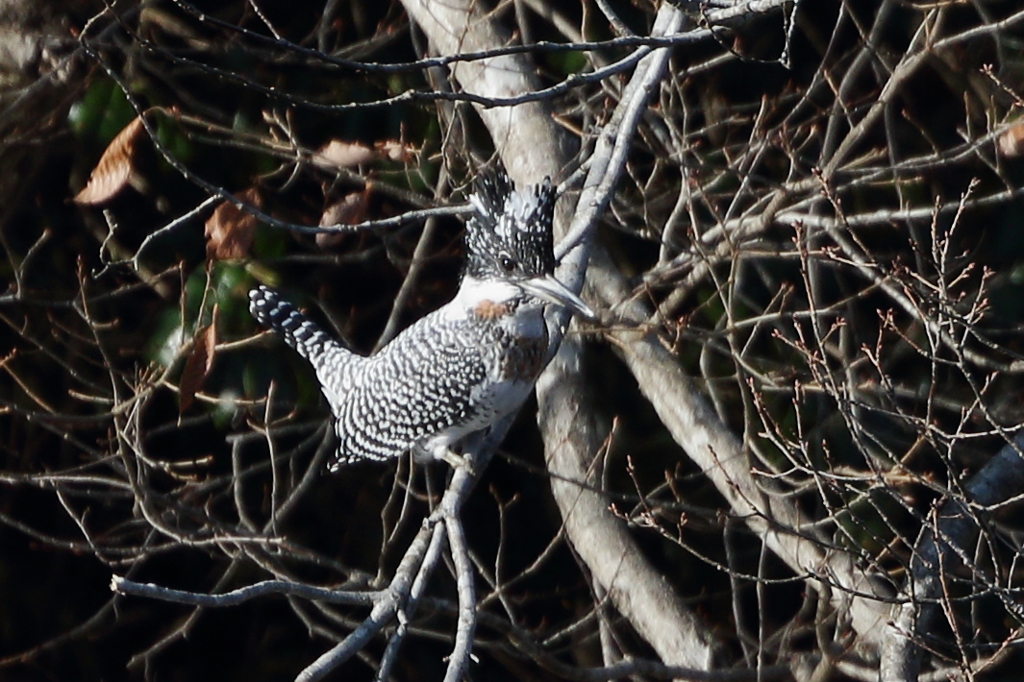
pixel 510 239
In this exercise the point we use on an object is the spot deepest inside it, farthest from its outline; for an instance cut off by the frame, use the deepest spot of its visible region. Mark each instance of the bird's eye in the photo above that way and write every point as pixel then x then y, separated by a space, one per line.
pixel 508 264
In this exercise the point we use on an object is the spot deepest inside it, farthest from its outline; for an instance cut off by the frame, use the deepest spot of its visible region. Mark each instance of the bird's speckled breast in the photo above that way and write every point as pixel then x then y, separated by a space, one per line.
pixel 525 360
pixel 519 334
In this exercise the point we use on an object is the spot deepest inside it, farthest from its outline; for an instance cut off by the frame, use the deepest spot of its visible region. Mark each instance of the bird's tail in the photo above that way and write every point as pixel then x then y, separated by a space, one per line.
pixel 329 359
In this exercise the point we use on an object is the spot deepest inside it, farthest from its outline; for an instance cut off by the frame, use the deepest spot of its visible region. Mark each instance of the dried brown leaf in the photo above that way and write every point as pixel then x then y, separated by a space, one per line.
pixel 229 230
pixel 1011 141
pixel 338 154
pixel 351 209
pixel 394 150
pixel 198 365
pixel 114 168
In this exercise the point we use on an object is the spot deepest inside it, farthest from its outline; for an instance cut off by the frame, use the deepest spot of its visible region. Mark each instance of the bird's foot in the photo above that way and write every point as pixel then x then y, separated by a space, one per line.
pixel 456 460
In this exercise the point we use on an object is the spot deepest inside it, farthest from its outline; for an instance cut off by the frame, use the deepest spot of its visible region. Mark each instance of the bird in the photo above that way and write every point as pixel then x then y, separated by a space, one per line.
pixel 460 369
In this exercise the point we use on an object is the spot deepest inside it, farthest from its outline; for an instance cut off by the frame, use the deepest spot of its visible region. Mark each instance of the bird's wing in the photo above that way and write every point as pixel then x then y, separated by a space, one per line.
pixel 421 384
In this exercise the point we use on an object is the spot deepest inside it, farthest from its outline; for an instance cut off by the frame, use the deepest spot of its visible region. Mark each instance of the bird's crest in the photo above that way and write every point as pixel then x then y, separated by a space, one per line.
pixel 511 223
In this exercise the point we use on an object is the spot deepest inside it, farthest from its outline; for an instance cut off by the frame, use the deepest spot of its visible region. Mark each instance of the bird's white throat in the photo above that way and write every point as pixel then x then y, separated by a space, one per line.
pixel 473 292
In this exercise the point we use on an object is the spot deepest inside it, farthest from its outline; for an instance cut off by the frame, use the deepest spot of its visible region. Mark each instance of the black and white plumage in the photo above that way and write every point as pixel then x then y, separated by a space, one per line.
pixel 461 368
